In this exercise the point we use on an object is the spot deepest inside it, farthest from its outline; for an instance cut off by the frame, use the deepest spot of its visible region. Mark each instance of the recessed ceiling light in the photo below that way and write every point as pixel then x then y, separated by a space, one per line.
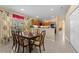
pixel 37 16
pixel 22 9
pixel 51 9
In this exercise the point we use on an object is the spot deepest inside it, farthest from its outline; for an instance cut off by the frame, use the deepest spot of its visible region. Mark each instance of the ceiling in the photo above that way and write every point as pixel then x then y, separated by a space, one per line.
pixel 39 11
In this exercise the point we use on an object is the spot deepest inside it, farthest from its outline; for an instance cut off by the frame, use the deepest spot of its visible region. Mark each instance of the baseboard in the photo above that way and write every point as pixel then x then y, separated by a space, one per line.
pixel 73 47
pixel 70 44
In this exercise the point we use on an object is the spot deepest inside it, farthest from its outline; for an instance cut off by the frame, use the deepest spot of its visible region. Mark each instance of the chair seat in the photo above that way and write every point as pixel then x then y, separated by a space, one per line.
pixel 36 43
pixel 37 39
pixel 25 43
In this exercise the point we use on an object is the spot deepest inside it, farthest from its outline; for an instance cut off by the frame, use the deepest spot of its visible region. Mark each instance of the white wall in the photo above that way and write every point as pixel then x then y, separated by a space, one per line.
pixel 67 21
pixel 74 29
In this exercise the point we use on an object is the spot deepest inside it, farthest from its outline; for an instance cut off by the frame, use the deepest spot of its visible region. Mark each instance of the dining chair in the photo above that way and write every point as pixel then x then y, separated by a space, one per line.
pixel 14 40
pixel 22 42
pixel 40 41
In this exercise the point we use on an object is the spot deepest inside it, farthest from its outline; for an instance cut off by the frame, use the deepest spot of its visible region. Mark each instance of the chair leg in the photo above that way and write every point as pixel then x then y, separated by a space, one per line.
pixel 15 46
pixel 23 49
pixel 18 48
pixel 40 49
pixel 43 47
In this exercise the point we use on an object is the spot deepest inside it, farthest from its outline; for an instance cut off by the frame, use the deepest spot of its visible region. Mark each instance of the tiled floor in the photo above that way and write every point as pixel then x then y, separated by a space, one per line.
pixel 59 45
